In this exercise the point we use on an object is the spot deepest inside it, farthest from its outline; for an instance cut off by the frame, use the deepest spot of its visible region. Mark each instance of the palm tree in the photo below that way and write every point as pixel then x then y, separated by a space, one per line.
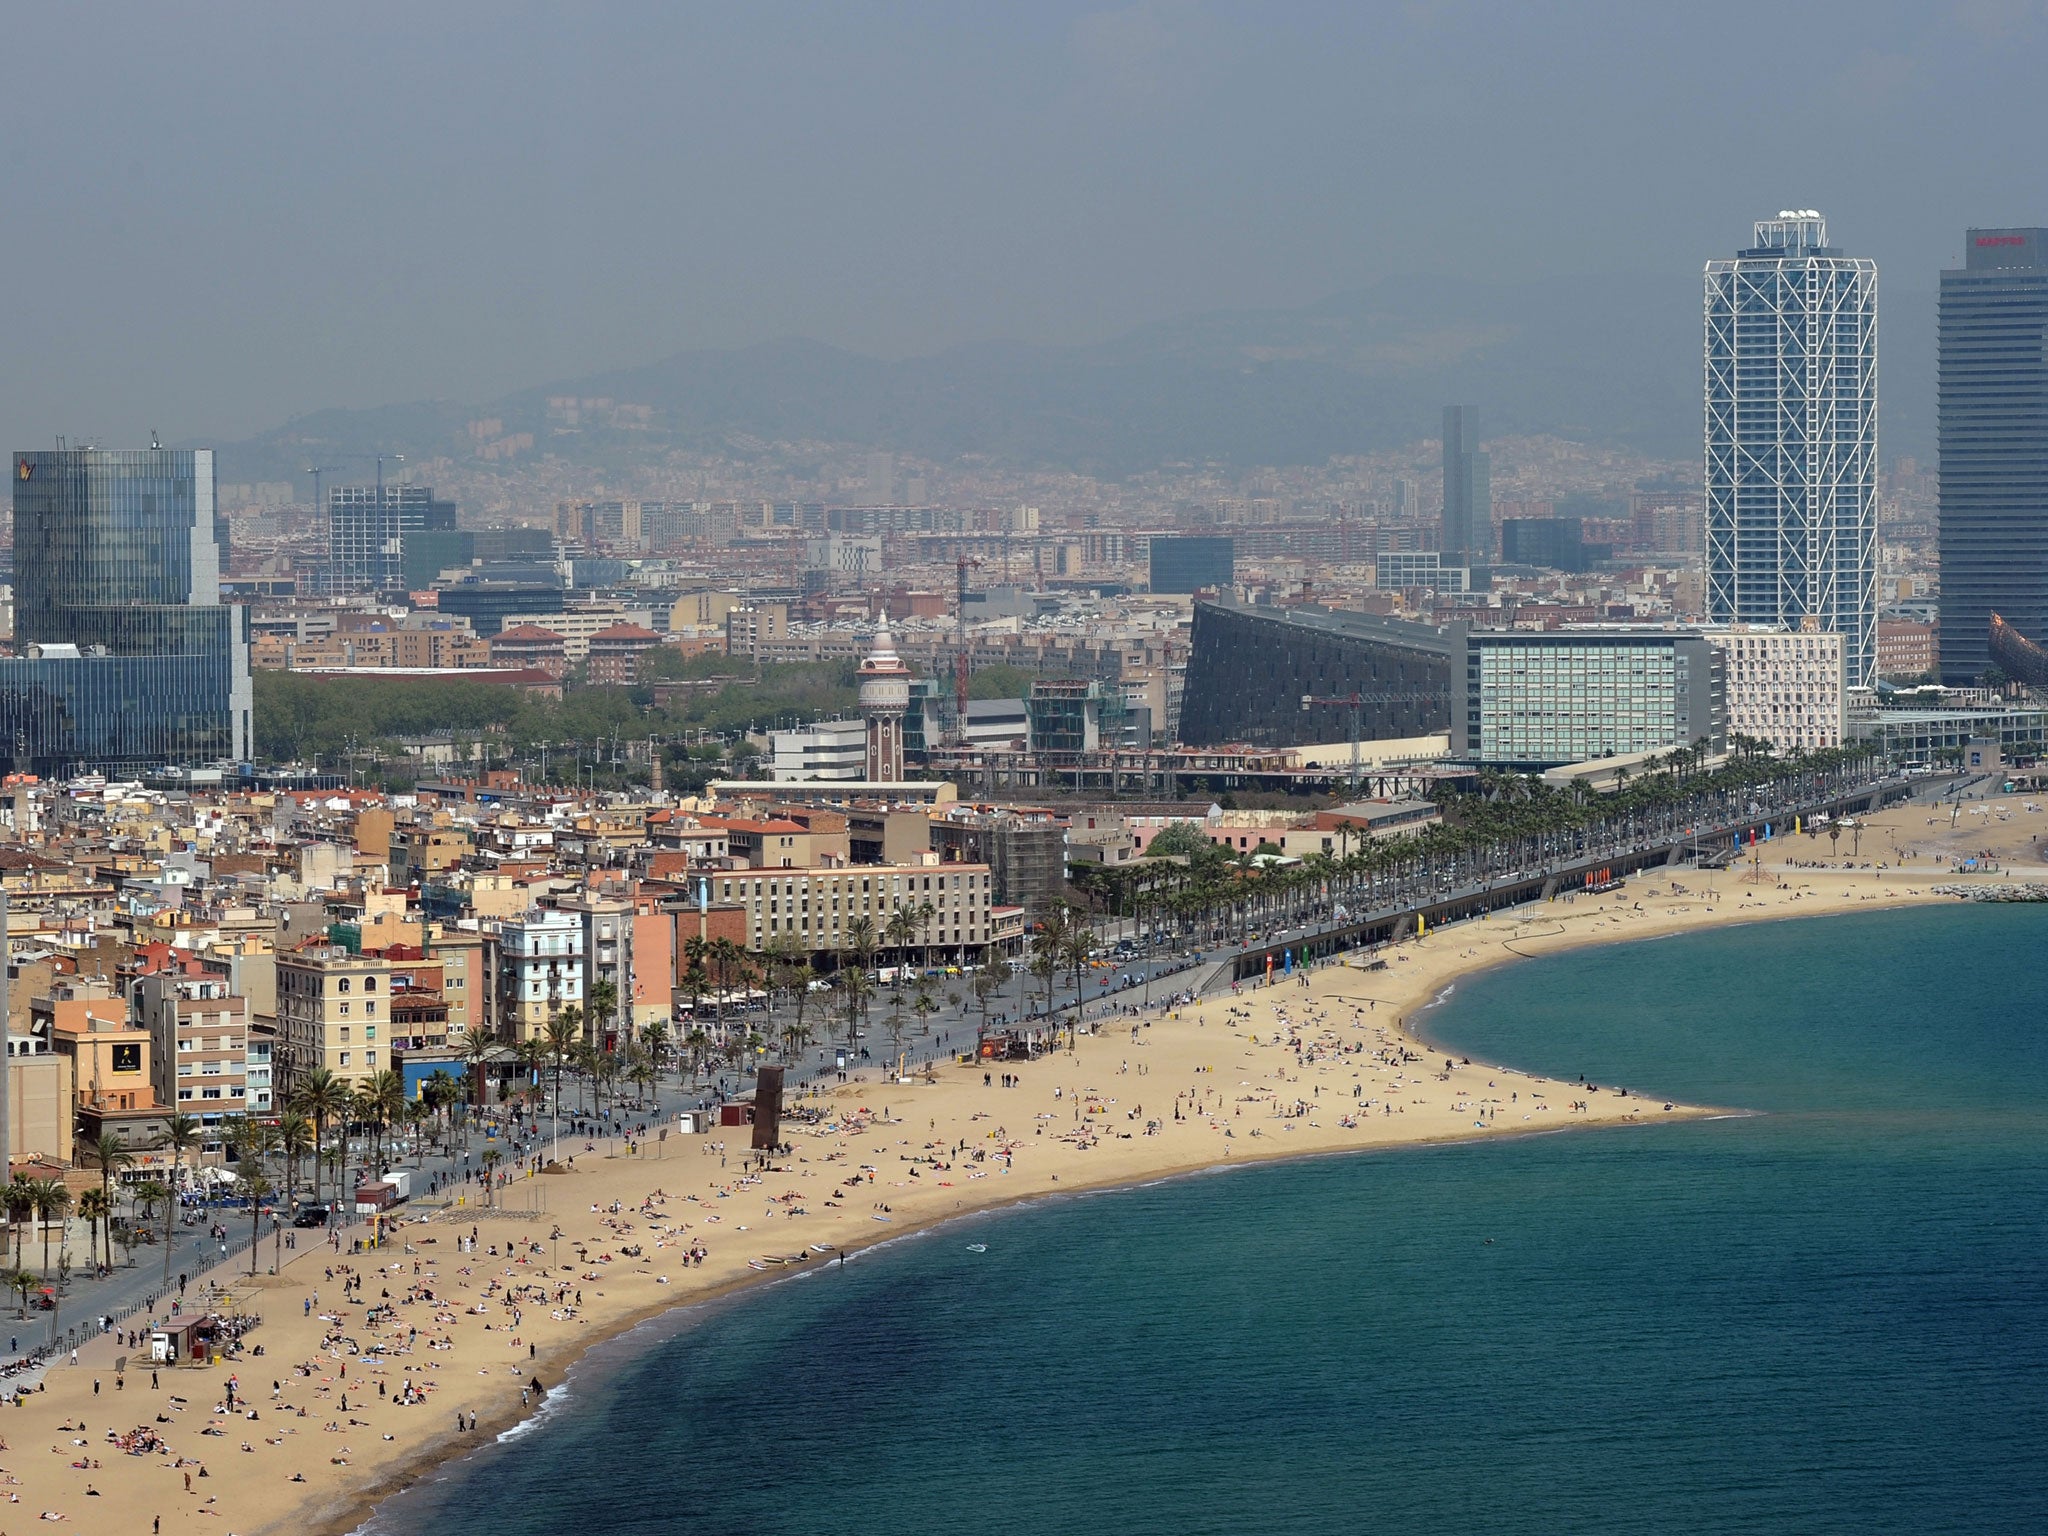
pixel 491 1158
pixel 94 1206
pixel 386 1095
pixel 989 982
pixel 476 1051
pixel 320 1096
pixel 362 1110
pixel 1045 966
pixel 110 1150
pixel 294 1141
pixel 21 1206
pixel 148 1193
pixel 641 1074
pixel 729 967
pixel 23 1281
pixel 604 1007
pixel 696 973
pixel 255 1187
pixel 181 1134
pixel 899 933
pixel 657 1043
pixel 861 938
pixel 563 1034
pixel 800 978
pixel 53 1200
pixel 1075 949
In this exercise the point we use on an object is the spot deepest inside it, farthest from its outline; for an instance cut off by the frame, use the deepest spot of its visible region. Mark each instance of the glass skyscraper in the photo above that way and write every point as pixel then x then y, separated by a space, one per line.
pixel 1994 446
pixel 1468 492
pixel 1791 437
pixel 125 659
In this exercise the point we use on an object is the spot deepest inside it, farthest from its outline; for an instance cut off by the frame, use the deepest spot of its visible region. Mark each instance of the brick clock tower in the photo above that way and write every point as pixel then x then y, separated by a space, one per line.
pixel 884 700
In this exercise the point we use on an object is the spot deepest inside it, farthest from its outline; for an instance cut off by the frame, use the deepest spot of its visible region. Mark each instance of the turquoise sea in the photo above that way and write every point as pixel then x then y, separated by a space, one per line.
pixel 1831 1316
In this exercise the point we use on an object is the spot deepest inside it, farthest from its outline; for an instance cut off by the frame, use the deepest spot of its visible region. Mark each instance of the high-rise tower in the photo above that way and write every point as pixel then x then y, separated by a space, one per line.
pixel 884 700
pixel 1994 446
pixel 1791 436
pixel 127 659
pixel 1468 492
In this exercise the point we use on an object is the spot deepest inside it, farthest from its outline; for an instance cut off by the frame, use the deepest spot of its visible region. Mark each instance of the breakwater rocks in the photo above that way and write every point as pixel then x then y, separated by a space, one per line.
pixel 1994 892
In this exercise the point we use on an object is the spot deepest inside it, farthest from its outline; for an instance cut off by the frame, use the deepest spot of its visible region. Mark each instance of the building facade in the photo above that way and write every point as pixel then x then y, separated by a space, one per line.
pixel 1248 669
pixel 1533 700
pixel 813 907
pixel 1784 687
pixel 539 971
pixel 333 1011
pixel 369 527
pixel 1994 446
pixel 1468 491
pixel 199 1046
pixel 126 660
pixel 1907 650
pixel 1191 563
pixel 1791 437
pixel 1402 570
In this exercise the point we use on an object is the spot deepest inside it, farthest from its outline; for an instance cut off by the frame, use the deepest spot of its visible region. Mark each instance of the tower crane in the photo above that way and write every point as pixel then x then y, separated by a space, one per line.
pixel 960 664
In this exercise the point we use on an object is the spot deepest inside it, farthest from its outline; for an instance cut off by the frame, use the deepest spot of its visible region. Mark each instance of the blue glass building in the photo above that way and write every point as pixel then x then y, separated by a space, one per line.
pixel 125 660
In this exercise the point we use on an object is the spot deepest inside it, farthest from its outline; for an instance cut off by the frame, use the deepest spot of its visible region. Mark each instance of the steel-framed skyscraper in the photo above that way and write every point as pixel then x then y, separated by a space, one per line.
pixel 1791 436
pixel 1994 446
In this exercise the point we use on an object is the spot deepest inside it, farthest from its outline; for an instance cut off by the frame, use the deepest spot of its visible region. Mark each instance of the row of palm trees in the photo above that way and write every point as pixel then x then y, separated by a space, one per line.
pixel 1513 822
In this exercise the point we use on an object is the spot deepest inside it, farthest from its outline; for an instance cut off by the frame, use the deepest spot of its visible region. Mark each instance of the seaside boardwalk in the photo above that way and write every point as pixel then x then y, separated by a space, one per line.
pixel 375 1365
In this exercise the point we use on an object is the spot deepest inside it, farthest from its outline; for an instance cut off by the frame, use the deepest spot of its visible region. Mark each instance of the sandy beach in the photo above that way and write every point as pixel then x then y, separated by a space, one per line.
pixel 371 1361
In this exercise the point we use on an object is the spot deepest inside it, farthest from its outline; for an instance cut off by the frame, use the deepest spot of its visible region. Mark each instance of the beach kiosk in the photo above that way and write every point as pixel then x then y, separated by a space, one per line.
pixel 173 1342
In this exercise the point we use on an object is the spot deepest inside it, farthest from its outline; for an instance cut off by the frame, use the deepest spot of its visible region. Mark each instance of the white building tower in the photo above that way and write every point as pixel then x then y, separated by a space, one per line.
pixel 1791 437
pixel 884 700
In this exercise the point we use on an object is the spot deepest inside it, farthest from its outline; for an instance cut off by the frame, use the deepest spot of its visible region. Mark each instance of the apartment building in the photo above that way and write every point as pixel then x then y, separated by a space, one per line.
pixel 539 970
pixel 333 1011
pixel 1786 687
pixel 813 907
pixel 199 1048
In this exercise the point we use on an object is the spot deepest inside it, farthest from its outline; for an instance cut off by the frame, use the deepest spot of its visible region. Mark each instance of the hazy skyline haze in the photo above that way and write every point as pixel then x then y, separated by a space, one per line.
pixel 226 215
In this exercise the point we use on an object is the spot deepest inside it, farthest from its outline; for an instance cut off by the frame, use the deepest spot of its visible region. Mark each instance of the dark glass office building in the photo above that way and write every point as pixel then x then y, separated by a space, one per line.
pixel 1249 667
pixel 125 659
pixel 1994 446
pixel 1190 564
pixel 1468 492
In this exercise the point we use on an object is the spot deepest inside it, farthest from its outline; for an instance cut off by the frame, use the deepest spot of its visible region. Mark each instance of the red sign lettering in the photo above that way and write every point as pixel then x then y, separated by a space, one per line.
pixel 2001 239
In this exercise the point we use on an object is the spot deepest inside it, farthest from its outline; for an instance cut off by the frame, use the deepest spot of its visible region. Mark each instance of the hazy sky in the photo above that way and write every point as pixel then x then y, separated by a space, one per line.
pixel 217 216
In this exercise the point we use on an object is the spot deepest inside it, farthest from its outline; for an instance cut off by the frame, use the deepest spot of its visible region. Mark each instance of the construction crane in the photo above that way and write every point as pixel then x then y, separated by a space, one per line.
pixel 960 662
pixel 1356 703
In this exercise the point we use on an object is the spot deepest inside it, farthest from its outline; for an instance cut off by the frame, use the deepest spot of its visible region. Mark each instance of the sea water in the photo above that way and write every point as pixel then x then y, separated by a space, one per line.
pixel 1829 1316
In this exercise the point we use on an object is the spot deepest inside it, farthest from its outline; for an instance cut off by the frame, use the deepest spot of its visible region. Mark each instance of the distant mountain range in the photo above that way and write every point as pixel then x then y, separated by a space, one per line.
pixel 1606 360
